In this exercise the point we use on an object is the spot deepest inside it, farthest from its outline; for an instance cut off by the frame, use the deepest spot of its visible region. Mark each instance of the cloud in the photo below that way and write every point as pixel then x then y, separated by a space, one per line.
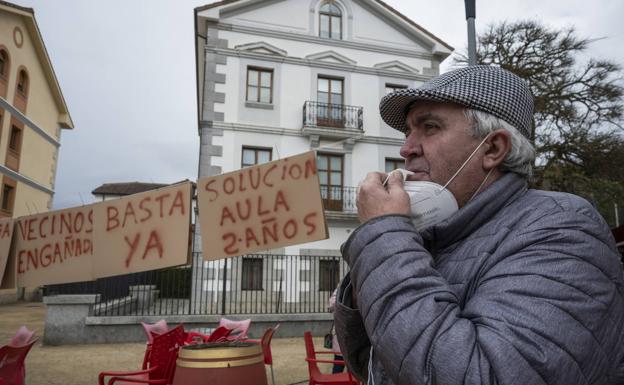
pixel 127 72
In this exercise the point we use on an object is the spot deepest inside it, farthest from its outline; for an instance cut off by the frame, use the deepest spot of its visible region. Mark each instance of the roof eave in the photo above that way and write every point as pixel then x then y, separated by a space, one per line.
pixel 440 47
pixel 28 15
pixel 17 8
pixel 65 120
pixel 213 5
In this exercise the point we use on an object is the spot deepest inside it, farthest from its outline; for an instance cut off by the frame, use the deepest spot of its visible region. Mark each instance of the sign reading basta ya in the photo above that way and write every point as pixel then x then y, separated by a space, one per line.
pixel 145 231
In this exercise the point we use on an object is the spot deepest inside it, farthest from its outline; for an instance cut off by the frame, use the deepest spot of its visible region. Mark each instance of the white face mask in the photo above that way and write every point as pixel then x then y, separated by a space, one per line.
pixel 431 203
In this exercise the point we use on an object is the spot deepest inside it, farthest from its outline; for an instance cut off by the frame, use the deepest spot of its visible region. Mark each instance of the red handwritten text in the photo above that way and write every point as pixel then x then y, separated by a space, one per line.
pixel 258 177
pixel 164 205
pixel 5 230
pixel 52 253
pixel 153 243
pixel 54 224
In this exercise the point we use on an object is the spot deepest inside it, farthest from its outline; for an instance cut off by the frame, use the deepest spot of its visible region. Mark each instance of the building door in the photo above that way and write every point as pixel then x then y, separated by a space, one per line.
pixel 330 98
pixel 330 168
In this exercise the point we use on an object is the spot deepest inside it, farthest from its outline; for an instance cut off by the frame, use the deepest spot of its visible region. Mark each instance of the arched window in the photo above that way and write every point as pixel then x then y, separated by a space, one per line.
pixel 22 83
pixel 330 21
pixel 4 63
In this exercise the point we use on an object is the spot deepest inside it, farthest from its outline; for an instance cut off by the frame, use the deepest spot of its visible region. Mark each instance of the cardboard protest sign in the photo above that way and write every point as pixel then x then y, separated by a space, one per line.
pixel 9 280
pixel 261 207
pixel 144 231
pixel 6 234
pixel 54 247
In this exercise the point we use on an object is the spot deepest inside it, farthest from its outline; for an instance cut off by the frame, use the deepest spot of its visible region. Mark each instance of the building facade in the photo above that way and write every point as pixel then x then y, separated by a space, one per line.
pixel 109 191
pixel 32 115
pixel 279 77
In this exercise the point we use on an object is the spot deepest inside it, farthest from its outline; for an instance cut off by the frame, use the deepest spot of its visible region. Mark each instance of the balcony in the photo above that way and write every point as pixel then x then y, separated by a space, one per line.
pixel 325 120
pixel 339 202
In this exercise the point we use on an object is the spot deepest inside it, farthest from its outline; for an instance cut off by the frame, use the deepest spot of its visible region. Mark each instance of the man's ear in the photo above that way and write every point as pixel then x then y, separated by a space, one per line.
pixel 497 146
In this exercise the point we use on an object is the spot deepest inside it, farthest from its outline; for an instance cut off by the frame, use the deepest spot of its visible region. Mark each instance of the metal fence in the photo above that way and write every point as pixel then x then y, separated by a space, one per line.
pixel 251 284
pixel 339 198
pixel 317 114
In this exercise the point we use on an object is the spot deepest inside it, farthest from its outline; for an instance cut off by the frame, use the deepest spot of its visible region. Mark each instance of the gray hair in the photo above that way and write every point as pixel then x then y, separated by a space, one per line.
pixel 522 155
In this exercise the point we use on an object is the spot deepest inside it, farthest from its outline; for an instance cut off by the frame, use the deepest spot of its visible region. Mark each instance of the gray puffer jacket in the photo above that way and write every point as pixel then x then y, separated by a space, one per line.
pixel 518 287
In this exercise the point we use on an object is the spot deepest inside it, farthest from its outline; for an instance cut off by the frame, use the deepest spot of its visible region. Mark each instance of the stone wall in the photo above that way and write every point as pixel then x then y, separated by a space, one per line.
pixel 70 320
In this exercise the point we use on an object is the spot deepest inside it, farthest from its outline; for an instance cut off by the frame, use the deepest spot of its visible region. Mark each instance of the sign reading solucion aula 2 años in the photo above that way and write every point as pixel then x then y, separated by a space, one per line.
pixel 261 207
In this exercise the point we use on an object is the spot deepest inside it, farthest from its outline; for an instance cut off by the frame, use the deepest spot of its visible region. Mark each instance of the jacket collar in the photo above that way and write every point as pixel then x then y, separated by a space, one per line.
pixel 476 212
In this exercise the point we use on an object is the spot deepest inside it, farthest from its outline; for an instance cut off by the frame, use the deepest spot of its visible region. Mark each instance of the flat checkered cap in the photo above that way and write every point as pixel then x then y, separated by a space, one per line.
pixel 480 87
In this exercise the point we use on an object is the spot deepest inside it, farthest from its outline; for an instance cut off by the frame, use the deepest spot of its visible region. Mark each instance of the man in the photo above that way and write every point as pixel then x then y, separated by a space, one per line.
pixel 517 286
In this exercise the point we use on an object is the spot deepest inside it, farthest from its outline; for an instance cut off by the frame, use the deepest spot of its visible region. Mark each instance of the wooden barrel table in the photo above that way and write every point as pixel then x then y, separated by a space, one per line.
pixel 223 363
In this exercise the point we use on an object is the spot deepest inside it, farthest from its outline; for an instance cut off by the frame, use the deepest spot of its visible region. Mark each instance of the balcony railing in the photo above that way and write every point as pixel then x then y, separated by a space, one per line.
pixel 336 198
pixel 325 115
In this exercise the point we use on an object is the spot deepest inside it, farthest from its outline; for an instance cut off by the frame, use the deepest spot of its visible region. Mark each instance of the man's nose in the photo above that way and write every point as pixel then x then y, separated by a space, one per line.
pixel 412 146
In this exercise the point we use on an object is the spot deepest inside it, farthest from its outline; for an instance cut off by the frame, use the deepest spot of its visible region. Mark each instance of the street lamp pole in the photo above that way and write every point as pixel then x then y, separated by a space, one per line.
pixel 470 19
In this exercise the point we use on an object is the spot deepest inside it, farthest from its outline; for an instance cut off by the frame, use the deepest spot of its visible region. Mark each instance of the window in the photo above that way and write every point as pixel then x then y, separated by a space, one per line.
pixel 22 83
pixel 4 63
pixel 304 275
pixel 394 163
pixel 14 139
pixel 259 85
pixel 252 274
pixel 329 168
pixel 390 88
pixel 329 94
pixel 330 90
pixel 7 197
pixel 330 21
pixel 329 273
pixel 253 156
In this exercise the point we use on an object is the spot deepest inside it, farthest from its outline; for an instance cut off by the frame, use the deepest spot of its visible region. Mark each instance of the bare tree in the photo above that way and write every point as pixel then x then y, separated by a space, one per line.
pixel 579 105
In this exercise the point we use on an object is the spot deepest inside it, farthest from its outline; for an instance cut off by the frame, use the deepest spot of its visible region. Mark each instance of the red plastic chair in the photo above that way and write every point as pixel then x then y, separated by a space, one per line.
pixel 239 328
pixel 12 367
pixel 159 327
pixel 219 334
pixel 318 378
pixel 150 330
pixel 21 337
pixel 161 365
pixel 195 338
pixel 265 341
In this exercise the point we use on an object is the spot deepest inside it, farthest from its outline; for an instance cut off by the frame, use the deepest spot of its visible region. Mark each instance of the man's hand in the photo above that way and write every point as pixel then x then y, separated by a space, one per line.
pixel 373 199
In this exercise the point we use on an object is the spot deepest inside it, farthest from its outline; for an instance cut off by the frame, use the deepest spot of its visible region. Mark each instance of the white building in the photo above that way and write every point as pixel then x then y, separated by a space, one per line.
pixel 279 77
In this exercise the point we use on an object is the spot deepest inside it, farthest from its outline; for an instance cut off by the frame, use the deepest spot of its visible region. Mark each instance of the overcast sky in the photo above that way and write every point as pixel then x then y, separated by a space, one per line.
pixel 126 68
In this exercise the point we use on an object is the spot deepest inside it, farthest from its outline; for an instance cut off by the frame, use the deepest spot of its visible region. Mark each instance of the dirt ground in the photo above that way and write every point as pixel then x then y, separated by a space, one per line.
pixel 81 364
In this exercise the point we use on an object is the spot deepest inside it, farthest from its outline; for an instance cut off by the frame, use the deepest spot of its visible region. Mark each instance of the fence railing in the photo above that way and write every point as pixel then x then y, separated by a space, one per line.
pixel 251 284
pixel 317 114
pixel 336 198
